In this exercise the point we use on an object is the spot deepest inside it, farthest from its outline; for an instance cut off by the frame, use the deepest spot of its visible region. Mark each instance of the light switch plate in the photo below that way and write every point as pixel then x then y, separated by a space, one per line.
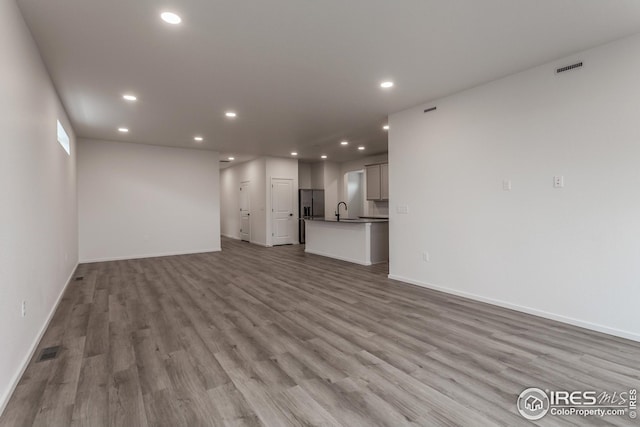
pixel 402 209
pixel 506 185
pixel 558 181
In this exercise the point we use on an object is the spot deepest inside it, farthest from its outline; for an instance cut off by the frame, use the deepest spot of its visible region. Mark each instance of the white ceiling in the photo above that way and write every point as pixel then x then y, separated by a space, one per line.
pixel 301 74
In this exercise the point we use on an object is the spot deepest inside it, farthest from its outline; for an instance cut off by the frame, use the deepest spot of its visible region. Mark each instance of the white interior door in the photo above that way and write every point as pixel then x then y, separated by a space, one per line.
pixel 283 223
pixel 245 212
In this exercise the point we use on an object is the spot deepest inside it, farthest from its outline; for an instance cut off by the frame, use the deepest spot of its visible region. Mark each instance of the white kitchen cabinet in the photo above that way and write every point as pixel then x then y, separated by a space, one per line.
pixel 384 181
pixel 377 181
pixel 373 182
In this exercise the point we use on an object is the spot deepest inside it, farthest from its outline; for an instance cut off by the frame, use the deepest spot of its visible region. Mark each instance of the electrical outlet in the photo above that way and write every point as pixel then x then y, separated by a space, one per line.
pixel 425 256
pixel 558 181
pixel 402 209
pixel 24 308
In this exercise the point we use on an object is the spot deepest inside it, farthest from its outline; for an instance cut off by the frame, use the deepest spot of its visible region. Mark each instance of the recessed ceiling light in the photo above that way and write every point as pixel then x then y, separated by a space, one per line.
pixel 323 156
pixel 293 153
pixel 361 148
pixel 198 138
pixel 123 130
pixel 385 127
pixel 386 85
pixel 344 143
pixel 231 114
pixel 170 18
pixel 232 158
pixel 130 97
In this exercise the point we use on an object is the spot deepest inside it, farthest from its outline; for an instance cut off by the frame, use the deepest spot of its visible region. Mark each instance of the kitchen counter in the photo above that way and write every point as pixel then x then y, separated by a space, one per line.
pixel 350 220
pixel 362 241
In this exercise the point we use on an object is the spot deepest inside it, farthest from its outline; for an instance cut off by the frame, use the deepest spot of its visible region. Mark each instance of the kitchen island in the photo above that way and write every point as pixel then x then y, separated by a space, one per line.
pixel 362 241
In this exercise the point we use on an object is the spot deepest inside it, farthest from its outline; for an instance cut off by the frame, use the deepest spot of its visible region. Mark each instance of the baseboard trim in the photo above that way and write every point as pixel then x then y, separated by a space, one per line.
pixel 253 242
pixel 158 255
pixel 16 379
pixel 524 309
pixel 311 251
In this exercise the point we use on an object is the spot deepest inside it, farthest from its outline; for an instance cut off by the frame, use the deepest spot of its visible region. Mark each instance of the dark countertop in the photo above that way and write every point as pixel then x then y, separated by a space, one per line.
pixel 349 220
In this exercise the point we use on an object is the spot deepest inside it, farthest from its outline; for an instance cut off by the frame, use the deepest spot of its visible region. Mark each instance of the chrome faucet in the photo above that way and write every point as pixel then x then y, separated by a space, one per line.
pixel 338 210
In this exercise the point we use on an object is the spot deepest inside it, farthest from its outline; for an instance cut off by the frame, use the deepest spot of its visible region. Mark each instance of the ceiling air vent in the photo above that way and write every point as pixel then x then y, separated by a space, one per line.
pixel 428 110
pixel 569 67
pixel 225 161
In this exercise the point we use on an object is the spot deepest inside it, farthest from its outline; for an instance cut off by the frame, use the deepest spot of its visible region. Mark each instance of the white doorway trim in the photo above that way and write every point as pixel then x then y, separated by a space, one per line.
pixel 245 211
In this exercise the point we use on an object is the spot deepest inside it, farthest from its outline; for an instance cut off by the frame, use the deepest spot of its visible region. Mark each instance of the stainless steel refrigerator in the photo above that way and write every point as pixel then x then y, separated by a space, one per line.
pixel 311 206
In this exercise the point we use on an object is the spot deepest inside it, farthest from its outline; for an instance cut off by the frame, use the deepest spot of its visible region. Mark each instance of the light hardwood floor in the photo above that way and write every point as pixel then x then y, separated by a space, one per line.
pixel 254 336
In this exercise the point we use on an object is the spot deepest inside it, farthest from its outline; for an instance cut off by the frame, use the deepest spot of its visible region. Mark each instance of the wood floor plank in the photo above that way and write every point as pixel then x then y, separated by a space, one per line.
pixel 126 406
pixel 233 407
pixel 151 372
pixel 97 339
pixel 254 390
pixel 189 389
pixel 164 409
pixel 25 404
pixel 60 393
pixel 203 360
pixel 121 351
pixel 306 410
pixel 255 336
pixel 348 409
pixel 92 397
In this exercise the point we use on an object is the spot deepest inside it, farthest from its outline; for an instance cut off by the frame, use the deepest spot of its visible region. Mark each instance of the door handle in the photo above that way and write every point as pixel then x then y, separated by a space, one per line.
pixel 290 214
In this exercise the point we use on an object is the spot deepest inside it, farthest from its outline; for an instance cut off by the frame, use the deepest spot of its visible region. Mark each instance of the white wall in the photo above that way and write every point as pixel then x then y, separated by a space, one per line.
pixel 317 176
pixel 332 180
pixel 371 208
pixel 38 222
pixel 138 200
pixel 304 175
pixel 282 168
pixel 354 182
pixel 570 254
pixel 253 171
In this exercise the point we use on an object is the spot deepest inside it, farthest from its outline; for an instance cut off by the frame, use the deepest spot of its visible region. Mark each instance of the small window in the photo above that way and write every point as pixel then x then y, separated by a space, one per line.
pixel 63 138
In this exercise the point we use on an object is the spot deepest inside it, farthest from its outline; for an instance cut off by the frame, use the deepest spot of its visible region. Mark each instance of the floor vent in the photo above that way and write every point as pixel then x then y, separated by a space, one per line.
pixel 79 278
pixel 49 353
pixel 428 110
pixel 569 67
